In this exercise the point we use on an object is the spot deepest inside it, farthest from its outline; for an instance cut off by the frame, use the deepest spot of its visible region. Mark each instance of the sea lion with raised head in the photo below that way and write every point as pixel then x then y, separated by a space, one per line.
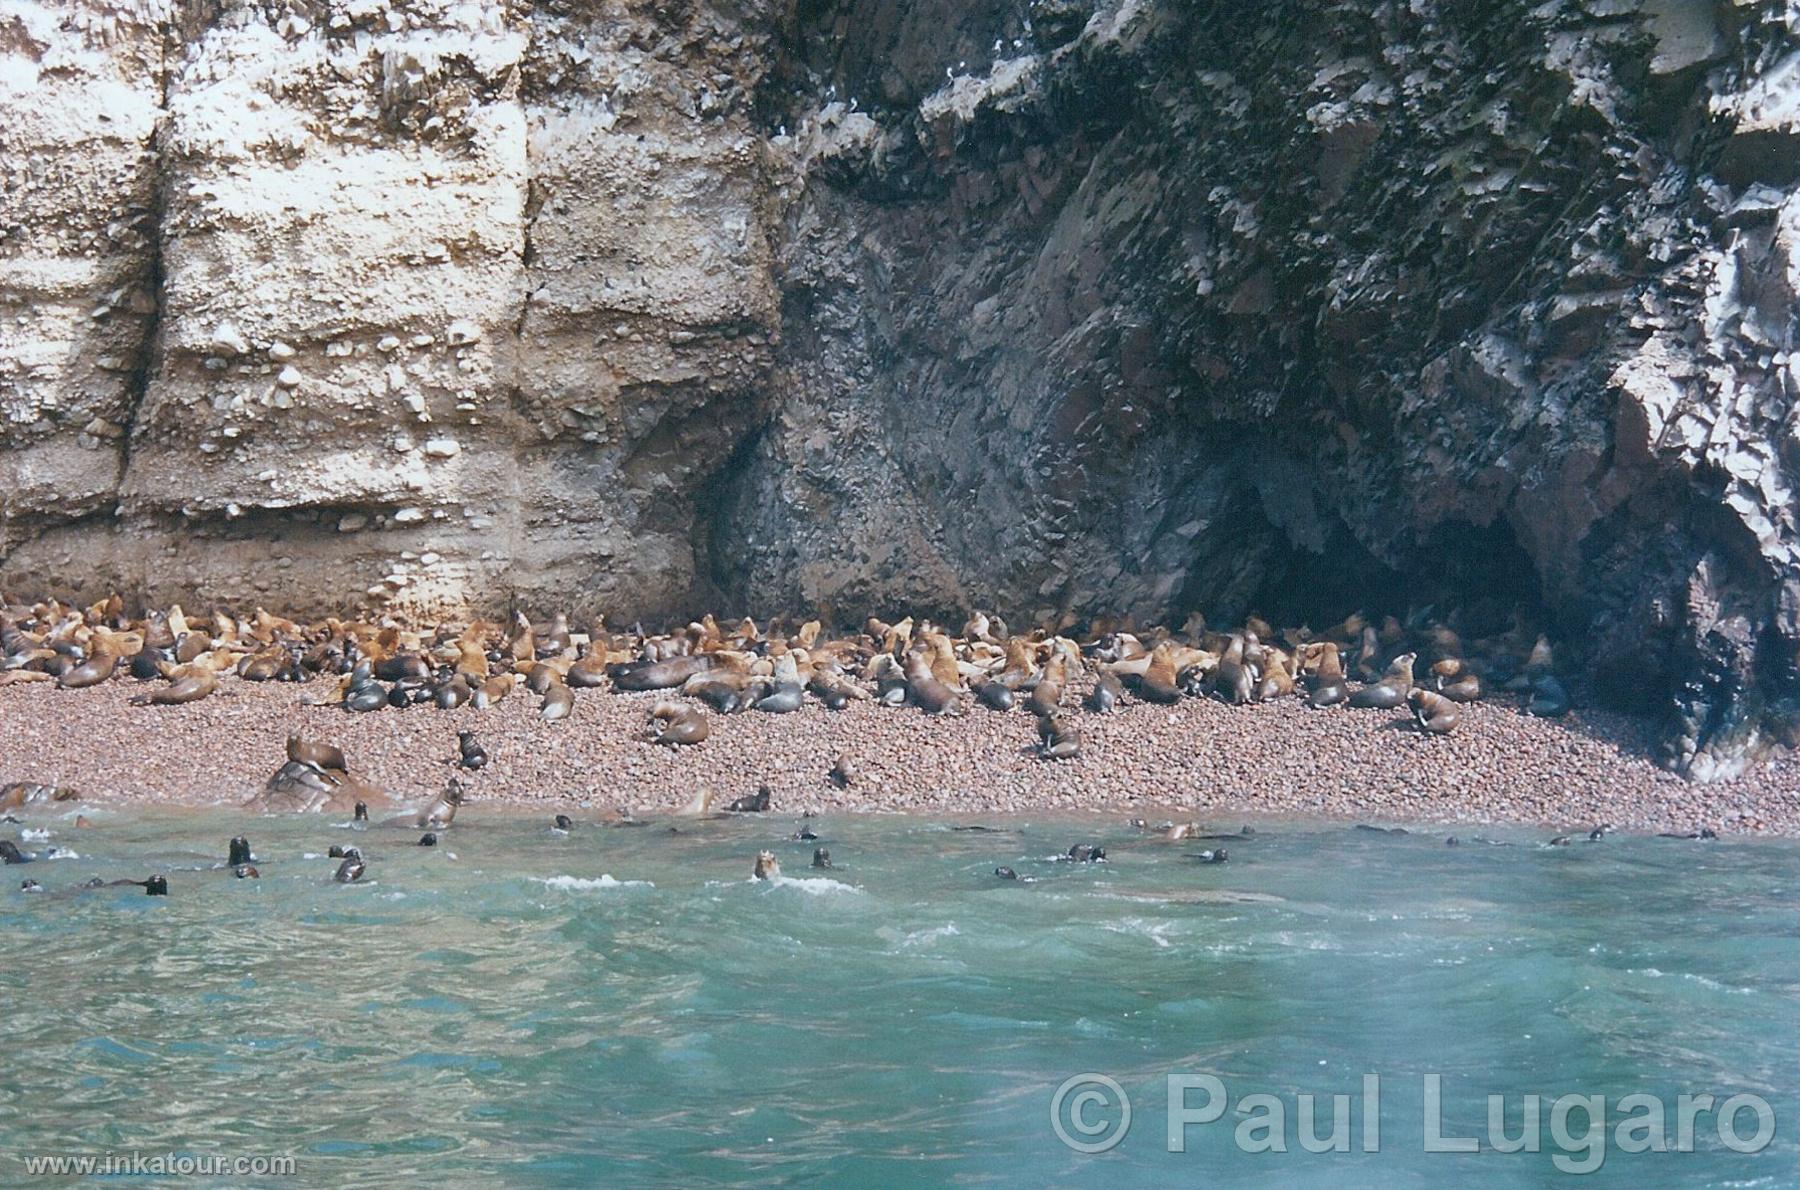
pixel 821 858
pixel 1057 738
pixel 1434 714
pixel 239 852
pixel 752 803
pixel 16 795
pixel 931 695
pixel 437 814
pixel 1107 694
pixel 1087 853
pixel 472 756
pixel 767 867
pixel 351 870
pixel 1391 691
pixel 842 772
pixel 192 686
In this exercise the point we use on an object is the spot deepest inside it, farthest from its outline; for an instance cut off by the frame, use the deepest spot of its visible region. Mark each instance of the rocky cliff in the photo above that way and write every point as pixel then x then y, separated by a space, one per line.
pixel 1059 306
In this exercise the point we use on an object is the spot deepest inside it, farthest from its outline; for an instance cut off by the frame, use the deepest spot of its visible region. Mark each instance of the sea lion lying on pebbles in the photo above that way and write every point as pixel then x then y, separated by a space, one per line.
pixel 672 724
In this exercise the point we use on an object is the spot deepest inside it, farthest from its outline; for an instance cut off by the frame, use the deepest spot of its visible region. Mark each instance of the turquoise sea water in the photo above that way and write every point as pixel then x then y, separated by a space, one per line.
pixel 625 1006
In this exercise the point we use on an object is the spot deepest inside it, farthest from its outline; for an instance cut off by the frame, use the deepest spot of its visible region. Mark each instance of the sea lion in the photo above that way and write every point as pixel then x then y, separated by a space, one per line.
pixel 239 849
pixel 1057 738
pixel 930 694
pixel 1456 681
pixel 563 823
pixel 1213 856
pixel 473 756
pixel 10 853
pixel 324 757
pixel 1087 853
pixel 351 870
pixel 752 803
pixel 1046 696
pixel 821 858
pixel 1233 683
pixel 766 866
pixel 1006 873
pixel 30 886
pixel 1391 690
pixel 1325 684
pixel 155 886
pixel 18 794
pixel 361 813
pixel 1549 698
pixel 246 872
pixel 559 703
pixel 438 814
pixel 805 834
pixel 842 772
pixel 192 687
pixel 672 724
pixel 658 675
pixel 1705 832
pixel 1107 693
pixel 784 700
pixel 96 669
pixel 994 695
pixel 1160 682
pixel 1434 714
pixel 428 839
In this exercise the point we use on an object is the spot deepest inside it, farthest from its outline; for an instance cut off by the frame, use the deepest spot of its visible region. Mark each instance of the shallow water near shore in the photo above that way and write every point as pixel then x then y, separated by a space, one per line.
pixel 624 1005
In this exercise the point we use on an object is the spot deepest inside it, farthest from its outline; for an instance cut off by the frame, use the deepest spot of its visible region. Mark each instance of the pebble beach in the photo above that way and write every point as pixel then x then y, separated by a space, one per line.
pixel 1198 759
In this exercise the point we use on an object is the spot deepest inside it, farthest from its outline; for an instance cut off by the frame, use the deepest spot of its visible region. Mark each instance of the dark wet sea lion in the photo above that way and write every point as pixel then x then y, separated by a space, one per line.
pixel 155 886
pixel 240 852
pixel 1006 873
pixel 351 869
pixel 145 663
pixel 454 693
pixel 1549 697
pixel 428 839
pixel 1382 830
pixel 473 755
pixel 821 858
pixel 1214 856
pixel 1244 832
pixel 563 823
pixel 1087 853
pixel 335 851
pixel 361 813
pixel 1453 841
pixel 767 868
pixel 30 886
pixel 805 834
pixel 10 853
pixel 1705 832
pixel 752 803
pixel 994 695
pixel 1107 694
pixel 246 872
pixel 784 700
pixel 658 675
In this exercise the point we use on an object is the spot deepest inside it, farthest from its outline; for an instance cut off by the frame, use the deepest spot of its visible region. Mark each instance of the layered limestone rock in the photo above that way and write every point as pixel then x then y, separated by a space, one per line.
pixel 1058 307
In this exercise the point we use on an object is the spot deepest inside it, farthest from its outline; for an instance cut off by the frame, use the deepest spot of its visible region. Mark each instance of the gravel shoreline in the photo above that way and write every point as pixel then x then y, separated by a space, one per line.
pixel 1198 758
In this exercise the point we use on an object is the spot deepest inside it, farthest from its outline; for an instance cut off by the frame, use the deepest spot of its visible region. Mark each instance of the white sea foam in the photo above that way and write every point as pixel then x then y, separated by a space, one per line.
pixel 582 884
pixel 813 885
pixel 30 835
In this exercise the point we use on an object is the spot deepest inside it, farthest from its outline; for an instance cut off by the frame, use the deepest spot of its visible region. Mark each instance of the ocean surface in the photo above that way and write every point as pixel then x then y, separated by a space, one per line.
pixel 626 1006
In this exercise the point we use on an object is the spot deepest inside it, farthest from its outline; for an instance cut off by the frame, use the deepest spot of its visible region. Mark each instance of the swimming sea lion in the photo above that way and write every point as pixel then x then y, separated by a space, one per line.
pixel 821 858
pixel 1705 832
pixel 766 866
pixel 16 794
pixel 246 872
pixel 563 823
pixel 438 814
pixel 1218 856
pixel 239 852
pixel 428 839
pixel 155 886
pixel 361 813
pixel 30 886
pixel 1006 873
pixel 351 870
pixel 1434 713
pixel 805 834
pixel 10 853
pixel 1087 853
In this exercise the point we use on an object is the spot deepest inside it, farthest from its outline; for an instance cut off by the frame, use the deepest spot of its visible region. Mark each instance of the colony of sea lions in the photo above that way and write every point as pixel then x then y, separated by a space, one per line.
pixel 710 668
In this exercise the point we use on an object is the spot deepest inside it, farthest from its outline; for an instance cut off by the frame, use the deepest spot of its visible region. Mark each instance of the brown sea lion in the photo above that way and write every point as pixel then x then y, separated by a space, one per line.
pixel 1057 738
pixel 437 814
pixel 193 686
pixel 924 688
pixel 767 868
pixel 1392 689
pixel 1433 712
pixel 559 703
pixel 1160 682
pixel 671 723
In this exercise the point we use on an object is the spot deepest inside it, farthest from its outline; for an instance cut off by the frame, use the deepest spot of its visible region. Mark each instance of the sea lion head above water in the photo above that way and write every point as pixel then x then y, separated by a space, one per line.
pixel 821 858
pixel 239 849
pixel 767 868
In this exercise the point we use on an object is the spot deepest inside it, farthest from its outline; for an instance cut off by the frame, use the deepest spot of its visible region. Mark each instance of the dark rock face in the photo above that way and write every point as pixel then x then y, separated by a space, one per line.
pixel 1056 307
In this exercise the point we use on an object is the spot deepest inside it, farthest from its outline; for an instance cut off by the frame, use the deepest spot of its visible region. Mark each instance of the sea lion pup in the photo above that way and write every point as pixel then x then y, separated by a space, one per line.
pixel 842 772
pixel 1435 714
pixel 658 675
pixel 1107 693
pixel 752 803
pixel 559 703
pixel 821 858
pixel 1057 738
pixel 672 724
pixel 723 691
pixel 351 870
pixel 193 684
pixel 932 696
pixel 1391 690
pixel 324 757
pixel 1456 681
pixel 1160 682
pixel 1549 697
pixel 239 852
pixel 1368 655
pixel 766 866
pixel 472 755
